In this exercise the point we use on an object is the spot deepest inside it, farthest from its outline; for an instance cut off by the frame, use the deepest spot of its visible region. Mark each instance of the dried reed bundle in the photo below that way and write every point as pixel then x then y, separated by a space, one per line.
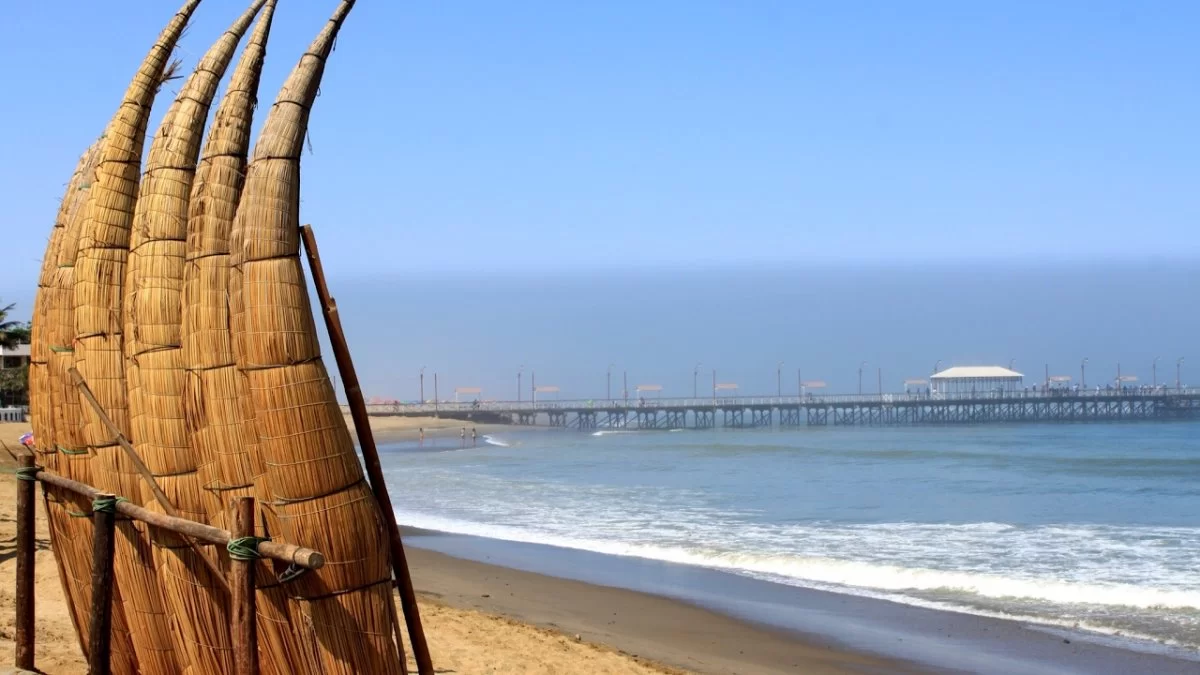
pixel 211 404
pixel 317 486
pixel 228 464
pixel 64 448
pixel 41 415
pixel 41 409
pixel 154 359
pixel 99 276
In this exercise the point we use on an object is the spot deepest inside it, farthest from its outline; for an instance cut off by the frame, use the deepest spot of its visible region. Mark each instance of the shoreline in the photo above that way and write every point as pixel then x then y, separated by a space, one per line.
pixel 574 590
pixel 399 429
pixel 462 640
pixel 648 628
pixel 493 605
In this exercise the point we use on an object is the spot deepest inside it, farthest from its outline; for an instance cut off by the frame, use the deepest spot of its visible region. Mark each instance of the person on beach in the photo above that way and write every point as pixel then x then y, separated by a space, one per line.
pixel 473 442
pixel 462 435
pixel 421 435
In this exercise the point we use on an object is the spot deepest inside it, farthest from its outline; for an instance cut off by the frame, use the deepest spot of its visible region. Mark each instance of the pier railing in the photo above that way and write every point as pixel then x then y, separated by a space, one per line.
pixel 806 400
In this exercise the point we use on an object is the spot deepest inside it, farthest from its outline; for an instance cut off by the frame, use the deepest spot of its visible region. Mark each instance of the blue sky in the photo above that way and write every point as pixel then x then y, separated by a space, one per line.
pixel 474 138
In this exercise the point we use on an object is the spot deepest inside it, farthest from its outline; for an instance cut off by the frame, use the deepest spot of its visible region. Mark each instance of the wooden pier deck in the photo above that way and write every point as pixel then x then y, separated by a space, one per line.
pixel 836 410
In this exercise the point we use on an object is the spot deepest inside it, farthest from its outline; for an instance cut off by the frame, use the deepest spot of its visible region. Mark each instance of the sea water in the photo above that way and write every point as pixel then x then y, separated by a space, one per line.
pixel 1087 526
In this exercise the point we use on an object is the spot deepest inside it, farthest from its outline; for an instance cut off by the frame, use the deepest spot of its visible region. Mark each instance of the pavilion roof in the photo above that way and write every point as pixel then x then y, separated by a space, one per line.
pixel 975 373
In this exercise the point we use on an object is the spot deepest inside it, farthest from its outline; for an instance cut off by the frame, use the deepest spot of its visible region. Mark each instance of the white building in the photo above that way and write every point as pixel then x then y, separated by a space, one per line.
pixel 975 379
pixel 15 357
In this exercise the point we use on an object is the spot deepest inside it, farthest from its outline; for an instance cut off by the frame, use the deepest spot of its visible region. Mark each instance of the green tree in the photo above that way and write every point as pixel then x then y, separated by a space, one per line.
pixel 12 333
pixel 14 382
pixel 14 386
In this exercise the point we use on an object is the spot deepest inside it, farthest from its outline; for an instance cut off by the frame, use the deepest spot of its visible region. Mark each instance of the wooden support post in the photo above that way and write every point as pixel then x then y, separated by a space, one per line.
pixel 99 639
pixel 366 441
pixel 26 489
pixel 147 476
pixel 245 620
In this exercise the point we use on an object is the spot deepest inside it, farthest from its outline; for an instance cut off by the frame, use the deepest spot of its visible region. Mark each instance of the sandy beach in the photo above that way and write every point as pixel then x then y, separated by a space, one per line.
pixel 483 618
pixel 463 640
pixel 390 429
pixel 640 625
pixel 491 606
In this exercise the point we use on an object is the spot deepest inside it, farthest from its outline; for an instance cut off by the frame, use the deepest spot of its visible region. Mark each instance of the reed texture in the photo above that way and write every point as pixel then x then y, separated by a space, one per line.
pixel 41 408
pixel 154 367
pixel 211 409
pixel 318 493
pixel 61 446
pixel 99 355
pixel 228 465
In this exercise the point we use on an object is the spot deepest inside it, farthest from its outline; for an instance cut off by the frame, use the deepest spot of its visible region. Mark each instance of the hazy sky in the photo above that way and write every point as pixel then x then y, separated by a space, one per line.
pixel 550 135
pixel 821 323
pixel 461 140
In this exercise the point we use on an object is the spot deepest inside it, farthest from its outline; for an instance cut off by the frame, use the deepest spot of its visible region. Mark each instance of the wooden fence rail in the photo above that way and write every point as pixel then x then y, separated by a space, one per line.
pixel 244 549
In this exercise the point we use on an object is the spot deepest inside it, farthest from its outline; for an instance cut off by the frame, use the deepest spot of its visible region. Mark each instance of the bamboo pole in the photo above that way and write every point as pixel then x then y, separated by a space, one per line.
pixel 245 623
pixel 142 469
pixel 99 641
pixel 26 495
pixel 366 441
pixel 283 552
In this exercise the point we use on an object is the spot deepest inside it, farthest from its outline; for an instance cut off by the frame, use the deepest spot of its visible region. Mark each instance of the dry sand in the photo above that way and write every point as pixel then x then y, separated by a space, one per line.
pixel 399 428
pixel 462 641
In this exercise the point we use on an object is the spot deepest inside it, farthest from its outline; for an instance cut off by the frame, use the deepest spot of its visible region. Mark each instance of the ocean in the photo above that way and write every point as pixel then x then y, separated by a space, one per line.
pixel 1089 527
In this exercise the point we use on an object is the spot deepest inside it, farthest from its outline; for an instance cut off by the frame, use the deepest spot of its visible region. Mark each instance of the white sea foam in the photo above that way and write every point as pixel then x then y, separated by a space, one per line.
pixel 830 572
pixel 492 440
pixel 729 507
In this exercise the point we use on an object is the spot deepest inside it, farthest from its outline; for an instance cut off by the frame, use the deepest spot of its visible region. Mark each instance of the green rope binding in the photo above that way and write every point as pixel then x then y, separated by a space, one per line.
pixel 78 514
pixel 59 349
pixel 68 451
pixel 28 472
pixel 106 504
pixel 244 548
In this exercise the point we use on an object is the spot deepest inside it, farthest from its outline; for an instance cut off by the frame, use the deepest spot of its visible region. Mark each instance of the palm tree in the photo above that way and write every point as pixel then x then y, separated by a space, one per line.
pixel 12 333
pixel 14 382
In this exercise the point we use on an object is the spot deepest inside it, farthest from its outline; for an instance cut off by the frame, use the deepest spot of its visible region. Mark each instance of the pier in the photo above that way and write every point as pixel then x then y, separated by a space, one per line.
pixel 872 410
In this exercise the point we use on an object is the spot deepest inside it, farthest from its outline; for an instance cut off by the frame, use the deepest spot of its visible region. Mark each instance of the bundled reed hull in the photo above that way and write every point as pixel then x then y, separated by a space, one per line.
pixel 45 339
pixel 154 367
pixel 228 462
pixel 60 440
pixel 318 492
pixel 99 351
pixel 211 405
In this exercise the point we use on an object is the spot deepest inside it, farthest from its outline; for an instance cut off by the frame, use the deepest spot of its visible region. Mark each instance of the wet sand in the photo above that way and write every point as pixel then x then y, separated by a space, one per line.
pixel 713 621
pixel 639 624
